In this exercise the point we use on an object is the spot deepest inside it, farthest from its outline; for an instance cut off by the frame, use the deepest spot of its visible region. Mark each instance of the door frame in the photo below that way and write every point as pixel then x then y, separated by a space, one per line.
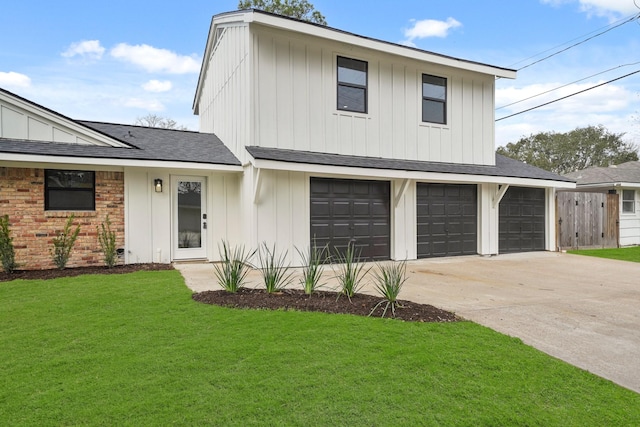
pixel 188 253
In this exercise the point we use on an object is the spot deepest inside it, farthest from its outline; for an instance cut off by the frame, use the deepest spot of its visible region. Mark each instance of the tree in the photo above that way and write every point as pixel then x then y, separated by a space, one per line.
pixel 571 151
pixel 155 121
pixel 299 9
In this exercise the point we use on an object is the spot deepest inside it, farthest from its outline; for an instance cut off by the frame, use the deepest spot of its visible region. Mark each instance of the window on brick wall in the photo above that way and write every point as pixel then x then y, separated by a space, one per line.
pixel 66 190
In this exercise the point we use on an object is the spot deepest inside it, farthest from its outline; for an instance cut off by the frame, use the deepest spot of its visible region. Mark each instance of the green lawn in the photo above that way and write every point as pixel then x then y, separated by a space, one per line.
pixel 136 350
pixel 631 253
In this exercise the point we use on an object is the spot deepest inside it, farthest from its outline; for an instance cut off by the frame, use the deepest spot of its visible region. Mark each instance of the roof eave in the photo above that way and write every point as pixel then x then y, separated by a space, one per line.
pixel 406 174
pixel 334 34
pixel 115 162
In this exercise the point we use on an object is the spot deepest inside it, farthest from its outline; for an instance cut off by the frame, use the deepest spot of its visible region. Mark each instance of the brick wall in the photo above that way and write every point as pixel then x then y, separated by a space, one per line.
pixel 33 228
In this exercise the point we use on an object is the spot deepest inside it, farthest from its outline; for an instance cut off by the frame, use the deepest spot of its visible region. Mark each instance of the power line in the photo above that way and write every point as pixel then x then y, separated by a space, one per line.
pixel 620 23
pixel 568 96
pixel 568 84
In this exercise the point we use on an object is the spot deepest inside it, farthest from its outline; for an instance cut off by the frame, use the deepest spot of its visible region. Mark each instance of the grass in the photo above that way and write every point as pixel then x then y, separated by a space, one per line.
pixel 631 253
pixel 136 350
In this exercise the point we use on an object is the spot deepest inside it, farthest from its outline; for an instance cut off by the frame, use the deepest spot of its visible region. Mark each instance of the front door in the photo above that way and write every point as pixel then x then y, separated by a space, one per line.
pixel 189 217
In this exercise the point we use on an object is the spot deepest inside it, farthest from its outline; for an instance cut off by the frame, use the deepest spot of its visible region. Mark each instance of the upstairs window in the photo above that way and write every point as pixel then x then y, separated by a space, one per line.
pixel 66 190
pixel 434 99
pixel 352 85
pixel 628 201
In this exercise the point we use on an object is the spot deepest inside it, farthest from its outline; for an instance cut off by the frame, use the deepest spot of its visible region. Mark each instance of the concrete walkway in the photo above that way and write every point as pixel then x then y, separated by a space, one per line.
pixel 583 310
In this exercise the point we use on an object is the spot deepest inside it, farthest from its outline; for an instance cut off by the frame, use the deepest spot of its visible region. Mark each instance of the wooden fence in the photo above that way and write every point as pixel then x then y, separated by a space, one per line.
pixel 587 220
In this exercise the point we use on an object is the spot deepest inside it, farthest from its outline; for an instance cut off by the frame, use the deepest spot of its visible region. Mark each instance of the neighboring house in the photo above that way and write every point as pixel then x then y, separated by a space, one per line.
pixel 624 180
pixel 309 134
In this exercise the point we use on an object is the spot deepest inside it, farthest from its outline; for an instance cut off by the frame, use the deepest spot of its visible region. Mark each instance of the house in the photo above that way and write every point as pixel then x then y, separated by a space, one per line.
pixel 623 180
pixel 308 135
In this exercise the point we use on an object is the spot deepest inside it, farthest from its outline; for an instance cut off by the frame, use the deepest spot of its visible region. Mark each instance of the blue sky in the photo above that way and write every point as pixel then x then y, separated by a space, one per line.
pixel 118 60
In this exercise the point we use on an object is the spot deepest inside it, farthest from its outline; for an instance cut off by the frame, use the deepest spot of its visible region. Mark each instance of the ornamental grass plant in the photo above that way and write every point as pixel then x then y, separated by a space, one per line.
pixel 388 280
pixel 234 266
pixel 313 261
pixel 276 273
pixel 349 271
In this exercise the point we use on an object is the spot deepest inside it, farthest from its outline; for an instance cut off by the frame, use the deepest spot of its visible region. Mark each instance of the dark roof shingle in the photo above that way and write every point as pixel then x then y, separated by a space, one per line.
pixel 625 172
pixel 505 167
pixel 149 144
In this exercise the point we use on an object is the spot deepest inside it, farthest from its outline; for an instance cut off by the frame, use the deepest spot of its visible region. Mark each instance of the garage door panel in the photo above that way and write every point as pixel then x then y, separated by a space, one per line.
pixel 320 231
pixel 522 221
pixel 339 230
pixel 435 209
pixel 359 213
pixel 361 208
pixel 319 187
pixel 446 219
pixel 380 209
pixel 339 209
pixel 322 209
pixel 453 209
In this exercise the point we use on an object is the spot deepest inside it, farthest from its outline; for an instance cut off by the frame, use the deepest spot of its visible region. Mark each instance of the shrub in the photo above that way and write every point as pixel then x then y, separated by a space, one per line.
pixel 107 240
pixel 313 259
pixel 275 274
pixel 7 252
pixel 388 280
pixel 63 244
pixel 350 271
pixel 232 270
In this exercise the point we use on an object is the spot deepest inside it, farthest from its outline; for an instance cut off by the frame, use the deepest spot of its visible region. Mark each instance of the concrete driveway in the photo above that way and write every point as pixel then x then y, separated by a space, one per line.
pixel 583 310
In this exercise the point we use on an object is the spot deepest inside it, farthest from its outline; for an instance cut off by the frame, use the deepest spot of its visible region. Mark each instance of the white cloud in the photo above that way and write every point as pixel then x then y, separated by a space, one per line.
pixel 612 9
pixel 144 104
pixel 429 28
pixel 156 60
pixel 157 86
pixel 87 49
pixel 13 79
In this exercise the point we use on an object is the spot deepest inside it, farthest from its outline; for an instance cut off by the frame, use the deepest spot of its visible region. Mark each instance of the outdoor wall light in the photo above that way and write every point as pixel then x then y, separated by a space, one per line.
pixel 157 183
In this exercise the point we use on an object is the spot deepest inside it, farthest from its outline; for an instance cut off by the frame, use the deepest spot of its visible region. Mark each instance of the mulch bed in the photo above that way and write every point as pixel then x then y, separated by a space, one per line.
pixel 77 271
pixel 325 302
pixel 288 299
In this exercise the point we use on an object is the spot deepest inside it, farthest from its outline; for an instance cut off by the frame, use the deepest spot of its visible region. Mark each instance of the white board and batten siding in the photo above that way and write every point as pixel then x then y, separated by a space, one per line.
pixel 149 215
pixel 21 120
pixel 294 103
pixel 224 101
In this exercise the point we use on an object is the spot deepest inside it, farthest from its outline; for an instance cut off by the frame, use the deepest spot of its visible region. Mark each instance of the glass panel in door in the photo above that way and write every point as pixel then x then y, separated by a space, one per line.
pixel 189 214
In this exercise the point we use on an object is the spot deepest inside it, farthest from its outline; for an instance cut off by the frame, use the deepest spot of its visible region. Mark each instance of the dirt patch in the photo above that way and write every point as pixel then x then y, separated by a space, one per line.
pixel 72 272
pixel 325 302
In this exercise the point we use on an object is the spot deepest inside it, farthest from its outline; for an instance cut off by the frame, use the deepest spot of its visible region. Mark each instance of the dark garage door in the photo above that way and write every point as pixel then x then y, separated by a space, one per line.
pixel 522 220
pixel 447 219
pixel 346 210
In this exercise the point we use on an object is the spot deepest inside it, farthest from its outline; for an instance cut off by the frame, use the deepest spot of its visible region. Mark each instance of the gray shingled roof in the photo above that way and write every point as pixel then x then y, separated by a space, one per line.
pixel 148 144
pixel 504 167
pixel 625 172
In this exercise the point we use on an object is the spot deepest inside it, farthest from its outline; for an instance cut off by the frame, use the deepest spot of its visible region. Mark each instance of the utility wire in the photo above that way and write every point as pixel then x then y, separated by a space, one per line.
pixel 609 28
pixel 568 84
pixel 568 96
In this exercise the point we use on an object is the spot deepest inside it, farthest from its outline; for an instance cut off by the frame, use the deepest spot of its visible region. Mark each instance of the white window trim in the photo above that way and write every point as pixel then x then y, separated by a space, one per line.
pixel 418 94
pixel 633 202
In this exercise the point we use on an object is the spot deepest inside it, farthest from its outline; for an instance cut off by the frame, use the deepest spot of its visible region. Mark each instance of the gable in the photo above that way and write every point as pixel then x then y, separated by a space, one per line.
pixel 23 120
